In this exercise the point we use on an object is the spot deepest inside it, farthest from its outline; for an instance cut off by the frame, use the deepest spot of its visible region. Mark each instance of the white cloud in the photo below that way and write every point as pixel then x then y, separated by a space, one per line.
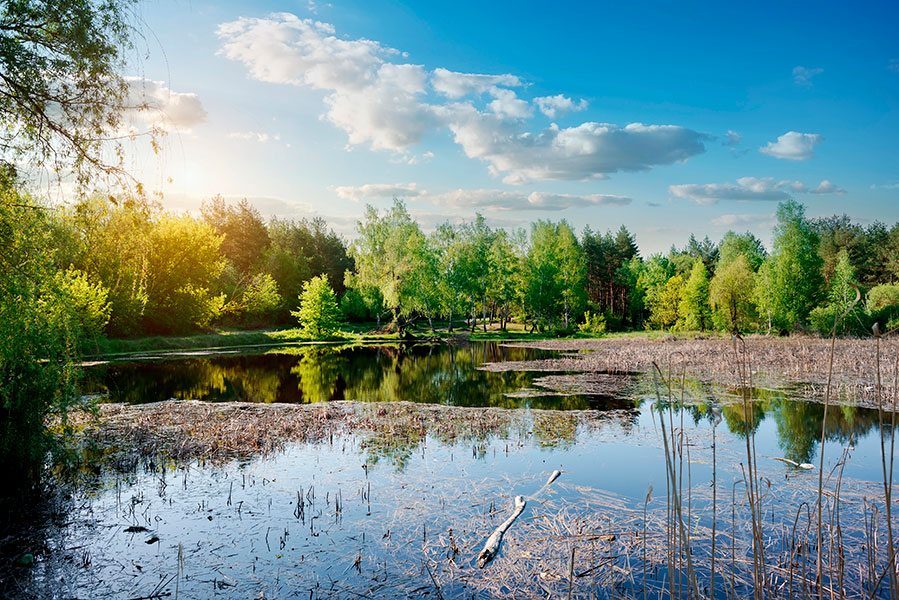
pixel 885 186
pixel 893 65
pixel 503 200
pixel 558 104
pixel 156 106
pixel 793 146
pixel 587 151
pixel 385 105
pixel 743 220
pixel 255 136
pixel 379 190
pixel 748 189
pixel 804 75
pixel 826 187
pixel 456 85
pixel 732 138
pixel 508 104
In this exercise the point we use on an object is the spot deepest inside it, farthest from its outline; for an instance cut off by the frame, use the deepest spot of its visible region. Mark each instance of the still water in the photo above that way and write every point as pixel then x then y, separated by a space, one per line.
pixel 358 516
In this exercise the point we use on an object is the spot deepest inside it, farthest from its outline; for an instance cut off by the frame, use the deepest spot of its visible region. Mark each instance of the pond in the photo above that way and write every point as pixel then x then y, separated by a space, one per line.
pixel 402 509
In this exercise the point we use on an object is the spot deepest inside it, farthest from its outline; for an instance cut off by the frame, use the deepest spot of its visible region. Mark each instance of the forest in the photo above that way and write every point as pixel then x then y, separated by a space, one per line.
pixel 129 268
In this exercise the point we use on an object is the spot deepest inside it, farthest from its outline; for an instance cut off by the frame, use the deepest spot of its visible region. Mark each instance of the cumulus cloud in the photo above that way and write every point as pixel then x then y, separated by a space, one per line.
pixel 743 220
pixel 503 200
pixel 379 190
pixel 749 189
pixel 803 75
pixel 793 146
pixel 456 85
pixel 156 106
pixel 390 106
pixel 587 151
pixel 558 104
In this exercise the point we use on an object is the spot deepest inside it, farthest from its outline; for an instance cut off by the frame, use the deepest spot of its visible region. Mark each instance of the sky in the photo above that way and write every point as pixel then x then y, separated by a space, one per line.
pixel 668 118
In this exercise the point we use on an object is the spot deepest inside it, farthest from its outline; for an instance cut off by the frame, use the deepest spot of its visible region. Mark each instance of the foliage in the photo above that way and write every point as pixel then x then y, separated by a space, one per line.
pixel 318 314
pixel 731 295
pixel 593 324
pixel 882 303
pixel 664 311
pixel 184 263
pixel 840 311
pixel 244 236
pixel 734 245
pixel 86 301
pixel 62 98
pixel 694 310
pixel 37 343
pixel 796 280
pixel 262 297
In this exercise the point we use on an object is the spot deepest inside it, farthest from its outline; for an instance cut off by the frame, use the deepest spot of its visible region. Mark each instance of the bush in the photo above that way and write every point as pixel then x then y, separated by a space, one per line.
pixel 593 324
pixel 319 315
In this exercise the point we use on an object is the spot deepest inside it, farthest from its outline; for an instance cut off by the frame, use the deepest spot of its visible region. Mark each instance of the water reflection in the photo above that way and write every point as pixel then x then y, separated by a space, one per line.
pixel 306 374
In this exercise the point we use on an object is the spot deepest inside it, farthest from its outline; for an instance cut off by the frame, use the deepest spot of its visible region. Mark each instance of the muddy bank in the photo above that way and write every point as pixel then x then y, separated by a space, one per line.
pixel 799 361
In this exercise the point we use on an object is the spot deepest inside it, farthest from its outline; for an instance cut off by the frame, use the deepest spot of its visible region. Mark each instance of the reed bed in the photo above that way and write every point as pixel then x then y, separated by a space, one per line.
pixel 797 360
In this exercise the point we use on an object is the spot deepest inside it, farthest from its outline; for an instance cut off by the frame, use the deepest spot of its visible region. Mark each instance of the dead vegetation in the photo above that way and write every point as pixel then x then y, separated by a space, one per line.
pixel 799 361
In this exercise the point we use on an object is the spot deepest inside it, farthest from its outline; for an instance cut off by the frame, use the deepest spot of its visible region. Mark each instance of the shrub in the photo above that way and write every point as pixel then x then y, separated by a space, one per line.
pixel 318 314
pixel 593 324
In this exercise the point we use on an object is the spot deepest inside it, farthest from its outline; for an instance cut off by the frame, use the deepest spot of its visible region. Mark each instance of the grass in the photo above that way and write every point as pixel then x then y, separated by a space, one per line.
pixel 353 332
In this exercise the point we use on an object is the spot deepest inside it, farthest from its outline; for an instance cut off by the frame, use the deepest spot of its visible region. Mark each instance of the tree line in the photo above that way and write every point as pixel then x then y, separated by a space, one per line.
pixel 129 268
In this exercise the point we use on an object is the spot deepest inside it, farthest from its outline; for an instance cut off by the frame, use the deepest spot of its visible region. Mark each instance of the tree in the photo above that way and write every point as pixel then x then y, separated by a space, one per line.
pixel 245 238
pixel 385 257
pixel 183 264
pixel 542 286
pixel 664 312
pixel 796 281
pixel 694 309
pixel 840 310
pixel 731 294
pixel 318 314
pixel 37 342
pixel 733 245
pixel 62 97
pixel 261 298
pixel 572 272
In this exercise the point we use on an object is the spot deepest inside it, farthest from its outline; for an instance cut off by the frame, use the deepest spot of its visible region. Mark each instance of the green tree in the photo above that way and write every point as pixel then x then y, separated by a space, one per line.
pixel 731 295
pixel 882 302
pixel 183 264
pixel 318 314
pixel 62 96
pixel 541 284
pixel 694 309
pixel 796 280
pixel 572 272
pixel 840 310
pixel 245 238
pixel 87 302
pixel 261 298
pixel 385 255
pixel 733 245
pixel 37 341
pixel 664 311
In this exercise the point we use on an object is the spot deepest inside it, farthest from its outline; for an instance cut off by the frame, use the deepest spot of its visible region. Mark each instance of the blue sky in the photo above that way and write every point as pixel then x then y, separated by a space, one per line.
pixel 669 118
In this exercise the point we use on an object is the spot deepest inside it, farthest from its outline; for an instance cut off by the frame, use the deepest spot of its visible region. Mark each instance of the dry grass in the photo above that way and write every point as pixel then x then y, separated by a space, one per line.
pixel 795 360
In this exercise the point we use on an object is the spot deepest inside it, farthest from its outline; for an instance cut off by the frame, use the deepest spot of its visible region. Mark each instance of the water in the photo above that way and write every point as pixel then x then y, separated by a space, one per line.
pixel 385 518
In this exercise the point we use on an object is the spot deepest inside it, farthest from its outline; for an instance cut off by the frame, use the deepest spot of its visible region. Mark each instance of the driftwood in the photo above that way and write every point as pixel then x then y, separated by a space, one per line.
pixel 793 463
pixel 496 538
pixel 491 548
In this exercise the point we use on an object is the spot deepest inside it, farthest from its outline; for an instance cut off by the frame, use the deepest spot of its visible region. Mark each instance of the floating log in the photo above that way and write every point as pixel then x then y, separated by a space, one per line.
pixel 493 542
